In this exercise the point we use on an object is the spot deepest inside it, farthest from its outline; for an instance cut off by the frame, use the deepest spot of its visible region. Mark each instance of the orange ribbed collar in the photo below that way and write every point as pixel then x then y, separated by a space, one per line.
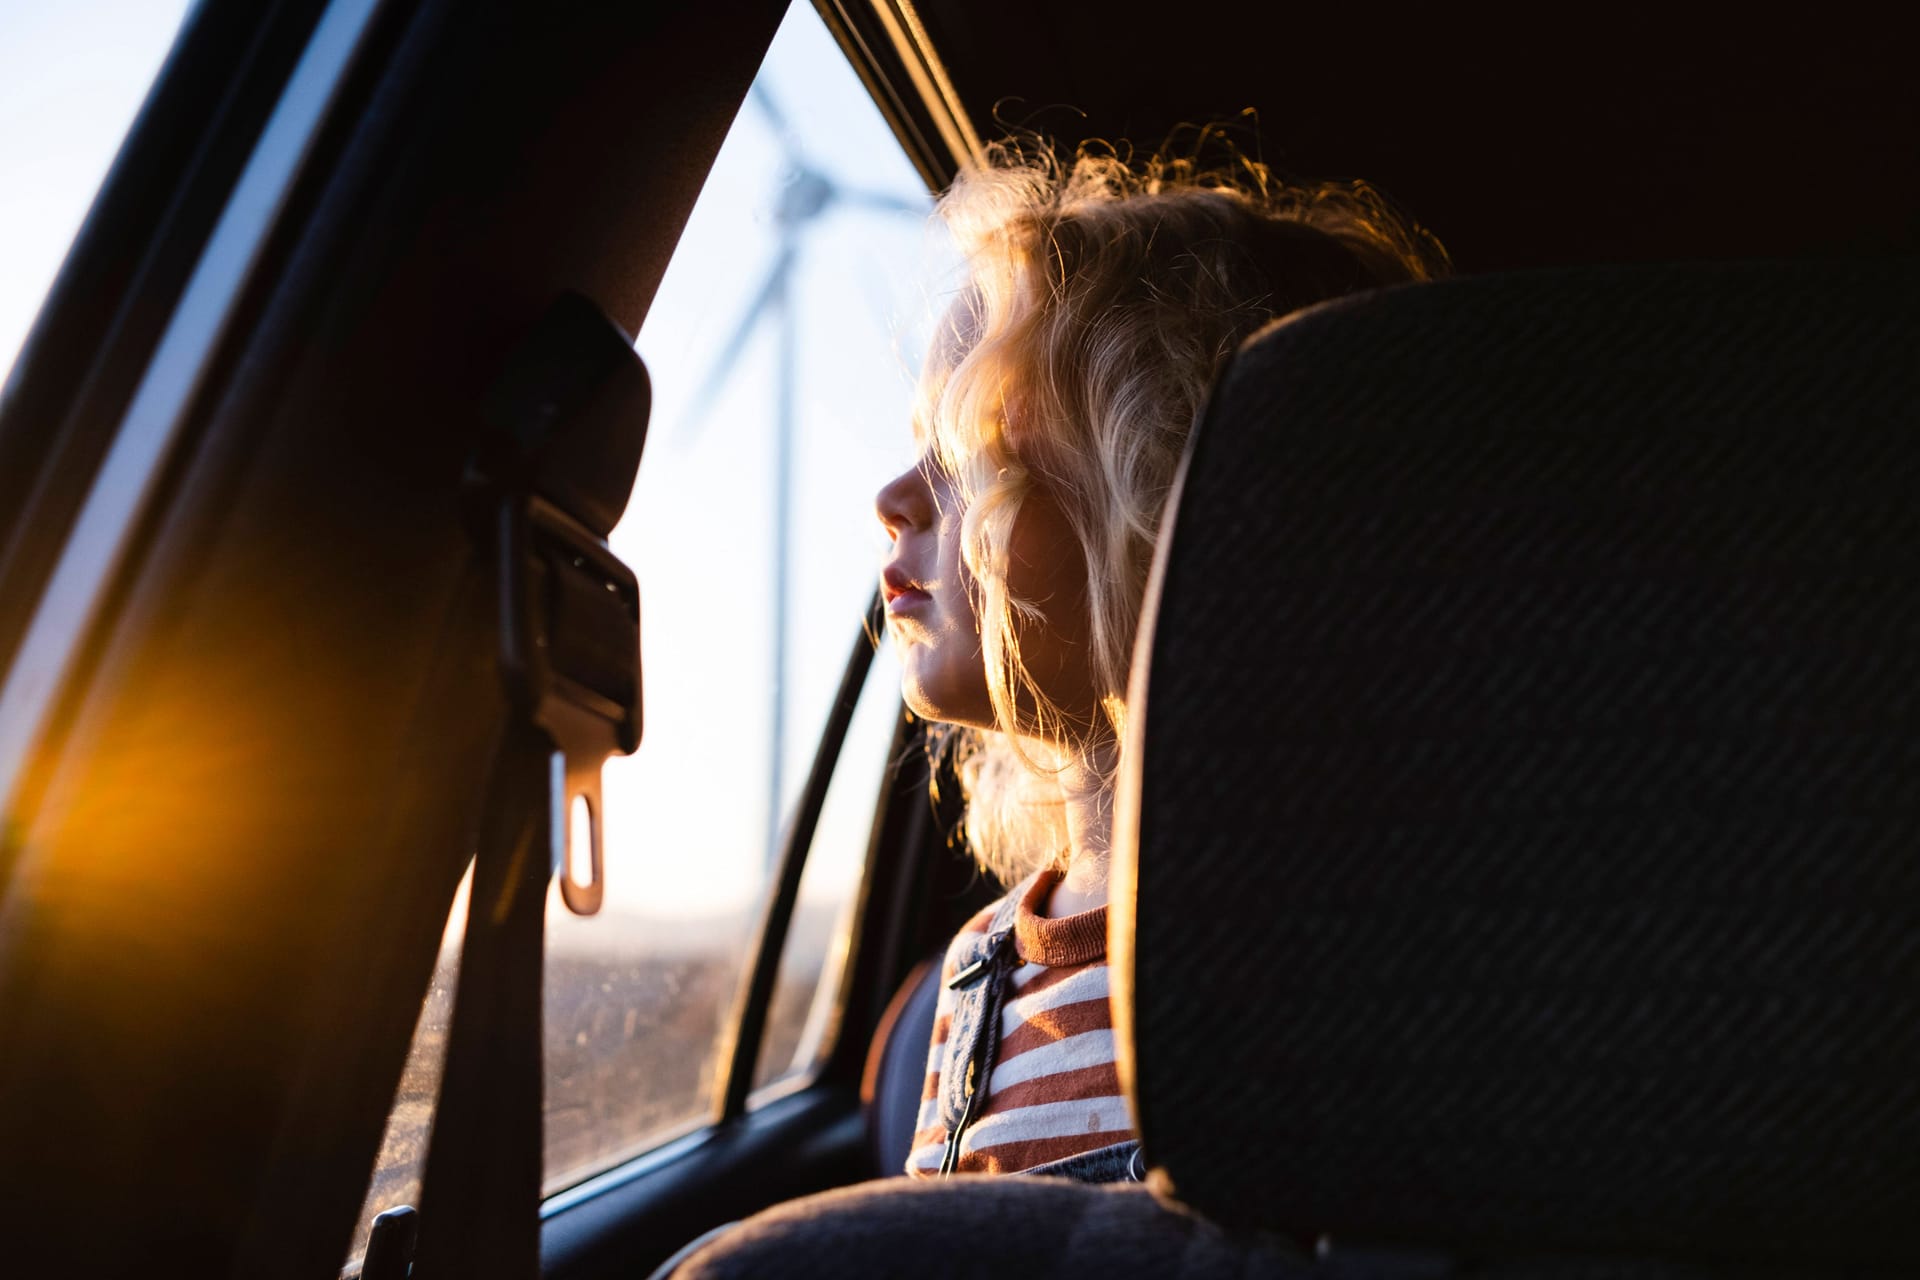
pixel 1057 941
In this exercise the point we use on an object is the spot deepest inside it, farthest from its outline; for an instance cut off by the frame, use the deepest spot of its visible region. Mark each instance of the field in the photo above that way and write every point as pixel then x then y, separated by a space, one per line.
pixel 631 1047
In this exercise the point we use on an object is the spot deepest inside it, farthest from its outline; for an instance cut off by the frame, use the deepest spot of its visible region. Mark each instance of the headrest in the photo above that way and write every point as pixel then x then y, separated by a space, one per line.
pixel 1521 851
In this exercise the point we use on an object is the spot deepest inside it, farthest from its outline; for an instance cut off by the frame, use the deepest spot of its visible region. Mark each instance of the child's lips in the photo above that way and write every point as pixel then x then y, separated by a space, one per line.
pixel 905 600
pixel 902 593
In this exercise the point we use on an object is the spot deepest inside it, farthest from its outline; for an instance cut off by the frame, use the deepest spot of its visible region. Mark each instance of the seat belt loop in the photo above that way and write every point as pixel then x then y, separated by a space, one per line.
pixel 567 420
pixel 570 655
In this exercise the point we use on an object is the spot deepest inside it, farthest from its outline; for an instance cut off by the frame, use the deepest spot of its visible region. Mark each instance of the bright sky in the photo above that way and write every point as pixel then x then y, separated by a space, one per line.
pixel 687 818
pixel 72 76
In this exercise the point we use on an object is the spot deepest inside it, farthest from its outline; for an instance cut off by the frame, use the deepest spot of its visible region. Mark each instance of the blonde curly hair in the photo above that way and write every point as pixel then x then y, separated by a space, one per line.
pixel 1102 297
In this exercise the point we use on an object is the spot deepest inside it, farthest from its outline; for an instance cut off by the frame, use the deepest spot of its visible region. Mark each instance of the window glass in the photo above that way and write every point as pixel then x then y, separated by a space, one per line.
pixel 403 1149
pixel 806 996
pixel 782 374
pixel 72 77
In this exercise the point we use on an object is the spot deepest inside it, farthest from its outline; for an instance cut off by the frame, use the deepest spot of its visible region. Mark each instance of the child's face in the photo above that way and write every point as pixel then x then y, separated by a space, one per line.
pixel 929 598
pixel 930 602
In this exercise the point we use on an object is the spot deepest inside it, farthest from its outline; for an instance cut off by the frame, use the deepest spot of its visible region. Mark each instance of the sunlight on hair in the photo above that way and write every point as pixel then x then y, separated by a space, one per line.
pixel 1103 295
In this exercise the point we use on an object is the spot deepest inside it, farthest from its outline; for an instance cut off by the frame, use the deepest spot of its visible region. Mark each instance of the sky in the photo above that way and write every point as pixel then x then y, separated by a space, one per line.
pixel 72 77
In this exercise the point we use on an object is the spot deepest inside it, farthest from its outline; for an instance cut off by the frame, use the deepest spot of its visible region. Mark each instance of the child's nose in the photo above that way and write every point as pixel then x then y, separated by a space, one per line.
pixel 904 502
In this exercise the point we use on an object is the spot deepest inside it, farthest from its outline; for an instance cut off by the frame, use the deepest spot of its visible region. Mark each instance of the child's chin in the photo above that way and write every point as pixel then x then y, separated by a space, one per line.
pixel 929 699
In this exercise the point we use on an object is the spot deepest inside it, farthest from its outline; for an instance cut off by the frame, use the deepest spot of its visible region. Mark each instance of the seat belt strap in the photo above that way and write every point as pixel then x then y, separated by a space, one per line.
pixel 479 1210
pixel 567 420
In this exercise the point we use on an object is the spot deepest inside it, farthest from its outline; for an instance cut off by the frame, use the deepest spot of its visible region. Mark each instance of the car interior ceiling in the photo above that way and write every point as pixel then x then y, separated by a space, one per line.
pixel 1523 138
pixel 485 159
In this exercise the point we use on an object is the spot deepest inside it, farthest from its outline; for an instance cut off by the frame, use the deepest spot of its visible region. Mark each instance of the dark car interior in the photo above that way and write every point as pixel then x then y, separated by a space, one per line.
pixel 1558 797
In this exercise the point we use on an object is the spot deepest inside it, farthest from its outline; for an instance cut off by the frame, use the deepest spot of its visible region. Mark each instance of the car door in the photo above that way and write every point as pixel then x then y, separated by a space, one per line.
pixel 251 696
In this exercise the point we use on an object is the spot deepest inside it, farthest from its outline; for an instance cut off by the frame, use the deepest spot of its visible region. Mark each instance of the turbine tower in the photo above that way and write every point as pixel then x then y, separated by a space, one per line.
pixel 807 194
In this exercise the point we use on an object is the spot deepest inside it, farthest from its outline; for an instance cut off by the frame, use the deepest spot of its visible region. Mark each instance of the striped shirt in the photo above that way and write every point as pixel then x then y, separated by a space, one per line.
pixel 1054 1091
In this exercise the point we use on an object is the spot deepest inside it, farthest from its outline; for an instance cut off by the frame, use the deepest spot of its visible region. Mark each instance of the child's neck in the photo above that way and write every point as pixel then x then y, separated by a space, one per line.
pixel 1085 785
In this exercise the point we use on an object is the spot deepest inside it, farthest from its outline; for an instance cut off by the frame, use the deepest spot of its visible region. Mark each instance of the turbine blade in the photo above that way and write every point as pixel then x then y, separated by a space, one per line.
pixel 770 107
pixel 771 287
pixel 883 201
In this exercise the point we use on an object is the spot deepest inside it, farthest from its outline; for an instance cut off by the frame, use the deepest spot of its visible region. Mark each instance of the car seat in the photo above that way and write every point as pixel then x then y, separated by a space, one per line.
pixel 896 1069
pixel 1519 869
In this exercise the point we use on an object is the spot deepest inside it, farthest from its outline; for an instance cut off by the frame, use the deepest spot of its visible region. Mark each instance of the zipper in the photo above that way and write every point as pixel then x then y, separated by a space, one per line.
pixel 951 1160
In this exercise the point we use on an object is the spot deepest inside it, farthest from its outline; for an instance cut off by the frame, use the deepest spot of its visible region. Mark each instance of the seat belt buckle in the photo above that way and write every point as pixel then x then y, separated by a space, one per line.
pixel 570 657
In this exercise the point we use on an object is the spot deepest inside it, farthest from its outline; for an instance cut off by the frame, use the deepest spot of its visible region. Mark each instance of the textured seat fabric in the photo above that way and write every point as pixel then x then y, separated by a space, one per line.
pixel 982 1227
pixel 1528 809
pixel 1001 1228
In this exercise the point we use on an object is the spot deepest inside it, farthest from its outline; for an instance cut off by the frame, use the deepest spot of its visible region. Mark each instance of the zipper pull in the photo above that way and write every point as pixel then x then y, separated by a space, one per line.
pixel 967 976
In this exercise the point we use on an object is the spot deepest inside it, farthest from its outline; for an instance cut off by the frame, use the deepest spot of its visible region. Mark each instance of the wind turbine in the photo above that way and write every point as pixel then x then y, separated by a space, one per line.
pixel 807 194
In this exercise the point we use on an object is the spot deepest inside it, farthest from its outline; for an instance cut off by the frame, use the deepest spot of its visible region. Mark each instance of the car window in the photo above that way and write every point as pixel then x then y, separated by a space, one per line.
pixel 403 1148
pixel 72 77
pixel 782 349
pixel 807 994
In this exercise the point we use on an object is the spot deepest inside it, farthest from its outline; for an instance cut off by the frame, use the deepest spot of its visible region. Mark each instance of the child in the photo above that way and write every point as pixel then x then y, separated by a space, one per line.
pixel 1101 300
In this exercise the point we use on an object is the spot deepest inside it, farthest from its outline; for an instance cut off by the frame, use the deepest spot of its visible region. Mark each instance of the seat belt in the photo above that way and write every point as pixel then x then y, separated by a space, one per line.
pixel 566 422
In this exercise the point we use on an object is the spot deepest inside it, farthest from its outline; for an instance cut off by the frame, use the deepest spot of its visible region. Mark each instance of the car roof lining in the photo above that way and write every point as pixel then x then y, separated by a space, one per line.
pixel 1693 137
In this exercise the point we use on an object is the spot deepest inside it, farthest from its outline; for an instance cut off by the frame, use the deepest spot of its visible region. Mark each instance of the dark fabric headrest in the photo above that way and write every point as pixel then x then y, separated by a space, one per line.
pixel 1526 800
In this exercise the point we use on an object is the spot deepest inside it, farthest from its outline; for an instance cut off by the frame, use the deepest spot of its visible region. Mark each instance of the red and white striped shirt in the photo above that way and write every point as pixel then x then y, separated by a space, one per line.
pixel 1054 1091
